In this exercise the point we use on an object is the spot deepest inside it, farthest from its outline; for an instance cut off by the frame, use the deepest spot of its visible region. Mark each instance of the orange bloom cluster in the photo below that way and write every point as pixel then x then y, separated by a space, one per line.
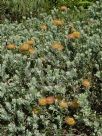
pixel 27 47
pixel 46 100
pixel 63 104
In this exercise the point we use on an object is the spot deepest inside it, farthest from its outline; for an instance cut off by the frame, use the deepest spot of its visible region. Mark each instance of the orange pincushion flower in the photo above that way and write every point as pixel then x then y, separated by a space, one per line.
pixel 11 46
pixel 57 22
pixel 86 83
pixel 70 121
pixel 24 47
pixel 30 42
pixel 57 46
pixel 31 50
pixel 74 35
pixel 43 27
pixel 63 8
pixel 50 99
pixel 42 101
pixel 63 104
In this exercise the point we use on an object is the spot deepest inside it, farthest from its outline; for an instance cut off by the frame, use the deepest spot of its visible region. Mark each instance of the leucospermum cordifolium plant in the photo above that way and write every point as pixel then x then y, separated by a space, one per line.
pixel 51 75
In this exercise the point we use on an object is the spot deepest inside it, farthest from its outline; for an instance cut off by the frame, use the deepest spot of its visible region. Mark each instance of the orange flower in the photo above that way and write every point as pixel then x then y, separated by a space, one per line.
pixel 24 47
pixel 57 46
pixel 11 46
pixel 31 50
pixel 70 121
pixel 57 22
pixel 50 99
pixel 86 83
pixel 43 27
pixel 30 42
pixel 42 101
pixel 63 104
pixel 74 35
pixel 63 8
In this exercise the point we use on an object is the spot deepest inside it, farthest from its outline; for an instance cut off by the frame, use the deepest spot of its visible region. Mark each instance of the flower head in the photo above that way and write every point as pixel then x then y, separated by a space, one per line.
pixel 24 47
pixel 30 42
pixel 57 22
pixel 43 27
pixel 57 46
pixel 63 104
pixel 11 46
pixel 70 121
pixel 74 35
pixel 63 8
pixel 31 50
pixel 42 101
pixel 86 83
pixel 50 99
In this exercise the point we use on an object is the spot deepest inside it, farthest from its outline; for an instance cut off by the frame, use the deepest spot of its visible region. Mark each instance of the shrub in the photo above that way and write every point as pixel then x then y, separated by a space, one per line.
pixel 33 84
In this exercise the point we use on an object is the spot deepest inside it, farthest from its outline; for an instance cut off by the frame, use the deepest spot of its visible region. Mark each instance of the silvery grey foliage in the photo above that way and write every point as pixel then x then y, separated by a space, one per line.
pixel 26 78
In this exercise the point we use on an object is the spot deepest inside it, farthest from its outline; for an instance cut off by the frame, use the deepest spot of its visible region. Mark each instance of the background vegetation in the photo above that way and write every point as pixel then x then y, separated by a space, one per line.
pixel 16 9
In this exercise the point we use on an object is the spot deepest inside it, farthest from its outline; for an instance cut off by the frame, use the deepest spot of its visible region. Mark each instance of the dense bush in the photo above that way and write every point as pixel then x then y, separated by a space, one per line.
pixel 51 75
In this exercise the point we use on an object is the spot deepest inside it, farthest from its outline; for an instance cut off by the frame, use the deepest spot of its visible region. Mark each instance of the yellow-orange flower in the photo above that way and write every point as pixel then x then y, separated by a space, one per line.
pixel 27 48
pixel 50 99
pixel 70 121
pixel 24 47
pixel 74 35
pixel 43 27
pixel 86 83
pixel 30 42
pixel 42 101
pixel 63 8
pixel 63 104
pixel 57 46
pixel 57 22
pixel 32 50
pixel 11 46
